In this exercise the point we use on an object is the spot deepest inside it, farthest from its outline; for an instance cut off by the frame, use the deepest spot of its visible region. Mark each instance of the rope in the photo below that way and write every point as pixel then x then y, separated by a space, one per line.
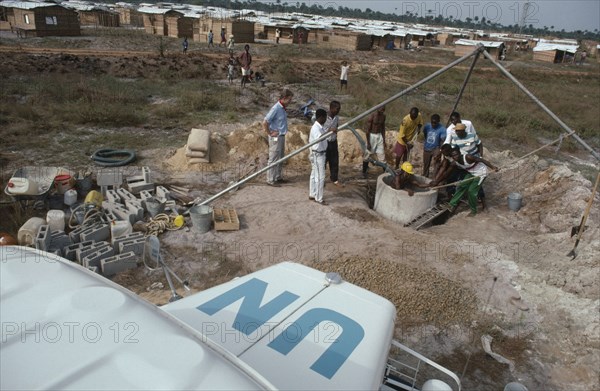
pixel 93 215
pixel 161 223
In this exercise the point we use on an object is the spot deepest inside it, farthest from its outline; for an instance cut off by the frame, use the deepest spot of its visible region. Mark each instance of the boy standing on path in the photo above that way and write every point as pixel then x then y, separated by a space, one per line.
pixel 344 75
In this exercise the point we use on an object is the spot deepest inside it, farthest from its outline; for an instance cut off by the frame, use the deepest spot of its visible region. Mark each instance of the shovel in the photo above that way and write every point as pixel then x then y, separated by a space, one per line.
pixel 581 228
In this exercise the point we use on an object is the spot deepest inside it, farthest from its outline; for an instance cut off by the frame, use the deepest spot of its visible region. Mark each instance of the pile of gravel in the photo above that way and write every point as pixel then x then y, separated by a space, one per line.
pixel 420 296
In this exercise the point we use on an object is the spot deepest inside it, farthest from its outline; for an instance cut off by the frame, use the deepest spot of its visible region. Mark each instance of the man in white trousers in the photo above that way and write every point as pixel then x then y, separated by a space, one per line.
pixel 317 159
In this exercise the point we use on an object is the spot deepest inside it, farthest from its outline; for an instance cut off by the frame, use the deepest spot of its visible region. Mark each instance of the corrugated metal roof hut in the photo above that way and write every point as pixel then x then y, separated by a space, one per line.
pixel 554 52
pixel 242 30
pixel 466 46
pixel 7 18
pixel 180 24
pixel 155 19
pixel 36 19
pixel 128 15
pixel 344 39
pixel 92 15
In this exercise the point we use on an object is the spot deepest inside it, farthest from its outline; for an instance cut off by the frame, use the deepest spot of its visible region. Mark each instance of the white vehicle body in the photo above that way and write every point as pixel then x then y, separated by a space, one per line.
pixel 285 327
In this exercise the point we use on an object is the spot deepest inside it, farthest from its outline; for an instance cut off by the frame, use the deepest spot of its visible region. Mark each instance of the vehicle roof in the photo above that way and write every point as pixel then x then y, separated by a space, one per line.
pixel 292 348
pixel 64 327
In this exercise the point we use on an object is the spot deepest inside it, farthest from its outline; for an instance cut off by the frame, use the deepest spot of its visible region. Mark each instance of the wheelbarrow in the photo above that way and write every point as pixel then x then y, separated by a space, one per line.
pixel 31 184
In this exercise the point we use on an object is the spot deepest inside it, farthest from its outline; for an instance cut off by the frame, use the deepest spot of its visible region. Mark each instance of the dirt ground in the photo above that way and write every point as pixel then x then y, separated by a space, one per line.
pixel 502 273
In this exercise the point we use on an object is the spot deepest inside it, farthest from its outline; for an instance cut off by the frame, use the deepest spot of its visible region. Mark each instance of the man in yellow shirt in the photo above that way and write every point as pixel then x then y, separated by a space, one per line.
pixel 409 128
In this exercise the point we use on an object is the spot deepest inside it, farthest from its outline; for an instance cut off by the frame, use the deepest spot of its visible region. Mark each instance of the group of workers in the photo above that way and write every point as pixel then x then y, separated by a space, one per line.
pixel 453 155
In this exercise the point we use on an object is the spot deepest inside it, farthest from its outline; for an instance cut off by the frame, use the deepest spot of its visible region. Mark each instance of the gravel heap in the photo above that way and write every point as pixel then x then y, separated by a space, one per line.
pixel 420 297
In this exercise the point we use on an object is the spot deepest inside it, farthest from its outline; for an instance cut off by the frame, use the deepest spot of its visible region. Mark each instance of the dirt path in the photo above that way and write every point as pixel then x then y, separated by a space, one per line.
pixel 258 60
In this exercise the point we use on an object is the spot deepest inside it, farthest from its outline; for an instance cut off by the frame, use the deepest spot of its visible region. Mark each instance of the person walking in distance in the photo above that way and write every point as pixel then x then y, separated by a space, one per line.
pixel 223 39
pixel 317 159
pixel 211 36
pixel 185 45
pixel 277 35
pixel 245 60
pixel 276 126
pixel 232 62
pixel 231 43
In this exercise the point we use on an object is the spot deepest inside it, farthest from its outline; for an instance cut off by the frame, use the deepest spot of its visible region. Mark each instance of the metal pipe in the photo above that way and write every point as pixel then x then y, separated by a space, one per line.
pixel 542 106
pixel 363 146
pixel 342 127
pixel 464 85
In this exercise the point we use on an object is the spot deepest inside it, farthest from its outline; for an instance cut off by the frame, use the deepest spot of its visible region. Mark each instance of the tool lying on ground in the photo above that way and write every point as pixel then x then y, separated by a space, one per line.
pixel 580 229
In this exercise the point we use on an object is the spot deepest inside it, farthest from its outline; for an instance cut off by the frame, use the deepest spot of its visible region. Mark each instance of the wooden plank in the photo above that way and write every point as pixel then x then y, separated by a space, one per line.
pixel 226 219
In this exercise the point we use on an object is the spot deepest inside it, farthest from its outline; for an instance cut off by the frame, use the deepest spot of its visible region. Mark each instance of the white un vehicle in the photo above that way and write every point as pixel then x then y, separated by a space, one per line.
pixel 287 327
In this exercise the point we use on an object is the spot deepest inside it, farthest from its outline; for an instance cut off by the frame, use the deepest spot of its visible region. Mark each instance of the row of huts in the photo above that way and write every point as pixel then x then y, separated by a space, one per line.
pixel 48 18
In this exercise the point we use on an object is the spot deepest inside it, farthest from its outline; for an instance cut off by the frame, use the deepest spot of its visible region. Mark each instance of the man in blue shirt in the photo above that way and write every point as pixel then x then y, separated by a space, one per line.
pixel 435 134
pixel 276 127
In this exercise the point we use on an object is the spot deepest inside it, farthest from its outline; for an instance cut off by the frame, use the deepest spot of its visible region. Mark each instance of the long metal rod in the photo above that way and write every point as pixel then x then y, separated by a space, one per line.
pixel 342 127
pixel 542 106
pixel 464 85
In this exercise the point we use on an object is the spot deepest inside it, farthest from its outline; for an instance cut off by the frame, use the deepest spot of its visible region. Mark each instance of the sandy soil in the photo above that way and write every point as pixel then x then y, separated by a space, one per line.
pixel 502 273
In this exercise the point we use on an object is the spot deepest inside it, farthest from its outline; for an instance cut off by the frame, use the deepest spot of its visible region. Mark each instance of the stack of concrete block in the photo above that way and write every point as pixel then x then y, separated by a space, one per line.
pixel 118 263
pixel 43 237
pixel 109 177
pixel 121 212
pixel 144 195
pixel 102 251
pixel 197 149
pixel 138 183
pixel 70 251
pixel 130 242
pixel 162 193
pixel 96 232
pixel 58 241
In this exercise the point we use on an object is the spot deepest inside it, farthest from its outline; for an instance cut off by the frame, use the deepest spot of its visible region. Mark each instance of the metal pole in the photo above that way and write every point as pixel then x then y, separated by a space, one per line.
pixel 542 106
pixel 344 126
pixel 464 86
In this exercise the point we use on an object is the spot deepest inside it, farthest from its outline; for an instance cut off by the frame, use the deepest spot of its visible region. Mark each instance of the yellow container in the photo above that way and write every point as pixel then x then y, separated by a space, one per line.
pixel 94 197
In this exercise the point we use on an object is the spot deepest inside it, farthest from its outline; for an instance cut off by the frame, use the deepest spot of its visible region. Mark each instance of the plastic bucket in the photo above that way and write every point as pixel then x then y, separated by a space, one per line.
pixel 28 232
pixel 70 197
pixel 514 201
pixel 63 183
pixel 201 217
pixel 56 220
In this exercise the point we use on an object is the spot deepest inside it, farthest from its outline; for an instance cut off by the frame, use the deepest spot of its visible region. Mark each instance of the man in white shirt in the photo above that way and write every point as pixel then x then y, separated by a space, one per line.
pixel 470 129
pixel 317 159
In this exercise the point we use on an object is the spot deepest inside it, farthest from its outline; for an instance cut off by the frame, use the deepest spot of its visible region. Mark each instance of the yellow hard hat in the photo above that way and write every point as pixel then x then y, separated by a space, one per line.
pixel 406 166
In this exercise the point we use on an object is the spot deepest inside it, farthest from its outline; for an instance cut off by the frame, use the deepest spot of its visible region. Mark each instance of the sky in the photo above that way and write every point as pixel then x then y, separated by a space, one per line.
pixel 570 15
